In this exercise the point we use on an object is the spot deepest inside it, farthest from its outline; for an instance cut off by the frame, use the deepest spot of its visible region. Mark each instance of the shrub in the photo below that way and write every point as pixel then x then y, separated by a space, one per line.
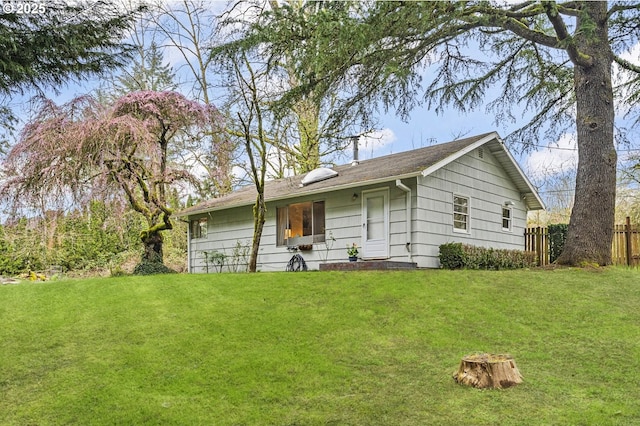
pixel 215 258
pixel 458 255
pixel 240 256
pixel 452 256
pixel 557 237
pixel 151 268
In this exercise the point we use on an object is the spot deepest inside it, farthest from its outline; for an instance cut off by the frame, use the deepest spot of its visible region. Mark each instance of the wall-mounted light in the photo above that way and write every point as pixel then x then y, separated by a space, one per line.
pixel 509 203
pixel 354 197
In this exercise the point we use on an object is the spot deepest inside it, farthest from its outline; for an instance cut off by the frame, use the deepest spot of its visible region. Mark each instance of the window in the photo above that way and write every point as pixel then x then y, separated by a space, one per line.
pixel 300 223
pixel 460 213
pixel 199 228
pixel 506 218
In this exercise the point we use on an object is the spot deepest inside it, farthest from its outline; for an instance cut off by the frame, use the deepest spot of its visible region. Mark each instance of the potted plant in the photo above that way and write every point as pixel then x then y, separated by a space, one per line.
pixel 352 251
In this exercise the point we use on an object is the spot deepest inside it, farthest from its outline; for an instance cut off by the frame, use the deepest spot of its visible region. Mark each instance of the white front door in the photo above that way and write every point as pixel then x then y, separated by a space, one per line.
pixel 375 229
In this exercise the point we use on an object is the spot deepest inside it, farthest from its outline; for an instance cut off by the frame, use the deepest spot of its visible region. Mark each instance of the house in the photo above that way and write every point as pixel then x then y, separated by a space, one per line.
pixel 400 207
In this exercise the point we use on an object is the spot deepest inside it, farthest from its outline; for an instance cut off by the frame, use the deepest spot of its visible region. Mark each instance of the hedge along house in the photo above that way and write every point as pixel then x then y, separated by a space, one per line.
pixel 399 207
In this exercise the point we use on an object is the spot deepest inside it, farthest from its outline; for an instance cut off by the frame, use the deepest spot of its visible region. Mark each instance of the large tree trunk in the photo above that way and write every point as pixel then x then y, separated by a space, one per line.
pixel 590 232
pixel 152 257
pixel 152 243
pixel 308 156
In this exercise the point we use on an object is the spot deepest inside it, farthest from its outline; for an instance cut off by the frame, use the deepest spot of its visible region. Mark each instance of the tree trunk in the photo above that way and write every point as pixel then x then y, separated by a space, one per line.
pixel 152 258
pixel 308 156
pixel 259 213
pixel 590 232
pixel 152 243
pixel 488 371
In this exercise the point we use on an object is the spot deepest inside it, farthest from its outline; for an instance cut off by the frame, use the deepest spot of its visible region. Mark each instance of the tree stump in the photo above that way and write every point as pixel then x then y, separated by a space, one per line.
pixel 488 371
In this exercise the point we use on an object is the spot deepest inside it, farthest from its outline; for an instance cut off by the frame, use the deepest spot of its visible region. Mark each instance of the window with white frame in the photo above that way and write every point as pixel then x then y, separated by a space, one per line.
pixel 300 223
pixel 460 213
pixel 506 218
pixel 199 228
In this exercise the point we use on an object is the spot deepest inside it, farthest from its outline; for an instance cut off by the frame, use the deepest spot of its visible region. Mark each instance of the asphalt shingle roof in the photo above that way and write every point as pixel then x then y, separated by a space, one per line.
pixel 393 166
pixel 389 167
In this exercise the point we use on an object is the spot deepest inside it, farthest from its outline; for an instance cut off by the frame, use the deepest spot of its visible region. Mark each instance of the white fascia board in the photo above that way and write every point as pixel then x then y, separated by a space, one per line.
pixel 524 177
pixel 344 186
pixel 306 193
pixel 491 136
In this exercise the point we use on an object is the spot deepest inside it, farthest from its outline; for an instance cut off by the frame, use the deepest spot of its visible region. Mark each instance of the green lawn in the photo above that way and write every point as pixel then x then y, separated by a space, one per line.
pixel 359 348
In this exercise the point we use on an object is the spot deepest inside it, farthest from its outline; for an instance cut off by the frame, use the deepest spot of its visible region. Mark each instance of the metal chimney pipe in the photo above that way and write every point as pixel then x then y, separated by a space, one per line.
pixel 355 140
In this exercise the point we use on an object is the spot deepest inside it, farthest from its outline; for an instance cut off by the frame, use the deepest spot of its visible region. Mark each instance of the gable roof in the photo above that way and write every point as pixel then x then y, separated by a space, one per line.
pixel 422 161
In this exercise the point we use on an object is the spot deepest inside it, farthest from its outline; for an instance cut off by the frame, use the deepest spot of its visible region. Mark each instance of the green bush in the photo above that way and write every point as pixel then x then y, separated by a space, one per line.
pixel 464 256
pixel 557 237
pixel 452 256
pixel 152 268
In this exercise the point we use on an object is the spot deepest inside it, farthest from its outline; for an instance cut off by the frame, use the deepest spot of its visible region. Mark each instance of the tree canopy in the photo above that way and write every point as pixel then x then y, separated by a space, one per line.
pixel 84 150
pixel 552 59
pixel 63 40
pixel 316 131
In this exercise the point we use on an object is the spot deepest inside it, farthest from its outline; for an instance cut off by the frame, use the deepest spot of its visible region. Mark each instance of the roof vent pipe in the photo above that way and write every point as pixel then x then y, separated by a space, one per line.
pixel 355 140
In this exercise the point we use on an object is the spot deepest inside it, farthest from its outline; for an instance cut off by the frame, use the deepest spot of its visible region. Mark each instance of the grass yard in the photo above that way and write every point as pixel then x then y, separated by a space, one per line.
pixel 359 348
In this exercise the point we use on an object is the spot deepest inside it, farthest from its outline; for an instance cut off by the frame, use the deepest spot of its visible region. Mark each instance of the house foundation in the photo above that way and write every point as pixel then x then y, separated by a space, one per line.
pixel 368 265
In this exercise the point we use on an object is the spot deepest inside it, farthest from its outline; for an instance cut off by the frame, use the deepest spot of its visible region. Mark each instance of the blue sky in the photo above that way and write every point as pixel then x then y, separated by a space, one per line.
pixel 423 128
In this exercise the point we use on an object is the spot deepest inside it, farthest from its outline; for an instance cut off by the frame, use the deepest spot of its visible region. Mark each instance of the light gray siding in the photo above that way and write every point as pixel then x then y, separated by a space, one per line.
pixel 487 186
pixel 343 225
pixel 482 180
pixel 225 230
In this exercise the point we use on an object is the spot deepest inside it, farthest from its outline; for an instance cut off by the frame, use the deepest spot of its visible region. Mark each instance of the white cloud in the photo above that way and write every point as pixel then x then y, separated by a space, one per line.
pixel 239 173
pixel 276 160
pixel 556 157
pixel 375 141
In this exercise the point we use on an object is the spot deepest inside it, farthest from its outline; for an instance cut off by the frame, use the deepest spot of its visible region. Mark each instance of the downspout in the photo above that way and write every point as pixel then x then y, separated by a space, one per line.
pixel 188 222
pixel 407 191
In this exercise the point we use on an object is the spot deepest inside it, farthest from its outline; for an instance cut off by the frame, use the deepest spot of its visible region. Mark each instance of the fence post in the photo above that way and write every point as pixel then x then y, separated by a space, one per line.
pixel 539 246
pixel 627 240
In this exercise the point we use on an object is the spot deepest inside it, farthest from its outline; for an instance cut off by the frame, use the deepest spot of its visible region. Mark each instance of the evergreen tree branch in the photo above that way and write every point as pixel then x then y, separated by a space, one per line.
pixel 618 7
pixel 564 38
pixel 626 64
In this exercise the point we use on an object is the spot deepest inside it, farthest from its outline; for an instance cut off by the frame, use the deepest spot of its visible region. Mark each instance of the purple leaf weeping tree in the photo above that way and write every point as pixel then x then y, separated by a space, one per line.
pixel 84 149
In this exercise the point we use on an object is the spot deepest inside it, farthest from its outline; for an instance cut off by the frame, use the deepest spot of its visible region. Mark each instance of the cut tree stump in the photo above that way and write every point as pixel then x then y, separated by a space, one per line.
pixel 488 371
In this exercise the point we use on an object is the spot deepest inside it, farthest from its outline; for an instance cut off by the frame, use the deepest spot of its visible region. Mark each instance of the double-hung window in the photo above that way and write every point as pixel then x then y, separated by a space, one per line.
pixel 300 223
pixel 460 213
pixel 199 228
pixel 506 218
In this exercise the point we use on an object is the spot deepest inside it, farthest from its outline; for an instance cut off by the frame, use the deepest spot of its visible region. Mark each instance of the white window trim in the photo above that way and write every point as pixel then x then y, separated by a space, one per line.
pixel 468 214
pixel 197 223
pixel 308 239
pixel 387 223
pixel 502 218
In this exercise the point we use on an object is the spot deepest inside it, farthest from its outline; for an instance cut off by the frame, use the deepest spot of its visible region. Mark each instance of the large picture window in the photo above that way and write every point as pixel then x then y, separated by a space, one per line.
pixel 460 213
pixel 300 223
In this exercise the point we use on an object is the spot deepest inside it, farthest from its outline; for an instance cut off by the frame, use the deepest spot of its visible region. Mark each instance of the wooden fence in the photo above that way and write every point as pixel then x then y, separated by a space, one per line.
pixel 625 249
pixel 537 240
